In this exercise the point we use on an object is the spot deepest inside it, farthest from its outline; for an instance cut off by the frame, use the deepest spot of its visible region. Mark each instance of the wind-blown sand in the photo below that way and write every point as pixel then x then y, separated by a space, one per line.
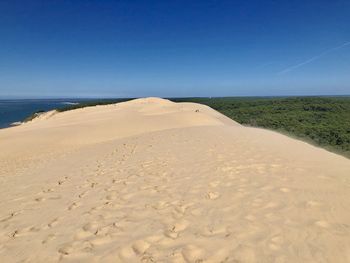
pixel 155 181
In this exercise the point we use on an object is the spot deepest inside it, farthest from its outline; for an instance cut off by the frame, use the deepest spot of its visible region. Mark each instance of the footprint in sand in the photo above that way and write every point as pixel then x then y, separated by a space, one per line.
pixel 273 246
pixel 171 234
pixel 117 181
pixel 73 206
pixel 14 234
pixel 213 195
pixel 60 182
pixel 91 227
pixel 81 234
pixel 197 211
pixel 275 243
pixel 24 231
pixel 49 190
pixel 192 253
pixel 98 241
pixel 32 229
pixel 322 223
pixel 180 226
pixel 181 209
pixel 39 199
pixel 93 185
pixel 55 197
pixel 210 230
pixel 111 196
pixel 244 254
pixel 271 205
pixel 94 229
pixel 81 195
pixel 6 218
pixel 127 254
pixel 140 246
pixel 160 205
pixel 48 239
pixel 214 184
pixel 53 222
pixel 285 190
pixel 66 249
pixel 173 230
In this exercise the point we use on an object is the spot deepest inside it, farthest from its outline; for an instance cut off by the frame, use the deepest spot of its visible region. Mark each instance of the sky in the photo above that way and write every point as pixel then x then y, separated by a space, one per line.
pixel 173 48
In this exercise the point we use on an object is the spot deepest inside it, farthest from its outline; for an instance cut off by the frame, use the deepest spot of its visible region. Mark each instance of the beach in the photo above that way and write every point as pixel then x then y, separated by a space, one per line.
pixel 150 180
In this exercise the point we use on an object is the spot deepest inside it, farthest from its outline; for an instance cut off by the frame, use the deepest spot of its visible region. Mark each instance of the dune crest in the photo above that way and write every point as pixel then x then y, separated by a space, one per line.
pixel 151 180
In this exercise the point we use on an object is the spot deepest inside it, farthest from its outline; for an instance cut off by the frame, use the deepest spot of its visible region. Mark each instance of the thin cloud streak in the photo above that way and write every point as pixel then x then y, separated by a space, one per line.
pixel 291 68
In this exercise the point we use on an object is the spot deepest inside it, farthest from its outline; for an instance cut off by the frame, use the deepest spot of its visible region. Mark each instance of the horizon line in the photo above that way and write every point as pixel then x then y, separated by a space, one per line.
pixel 172 97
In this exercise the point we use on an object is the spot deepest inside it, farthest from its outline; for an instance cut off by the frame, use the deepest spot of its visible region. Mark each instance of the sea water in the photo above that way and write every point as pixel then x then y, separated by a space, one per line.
pixel 17 110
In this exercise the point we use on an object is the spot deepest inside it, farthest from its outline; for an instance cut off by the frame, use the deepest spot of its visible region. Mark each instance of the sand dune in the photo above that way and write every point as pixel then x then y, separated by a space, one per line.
pixel 155 181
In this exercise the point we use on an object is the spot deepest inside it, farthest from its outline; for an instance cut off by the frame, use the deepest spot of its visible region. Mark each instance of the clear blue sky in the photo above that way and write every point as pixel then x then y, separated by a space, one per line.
pixel 173 48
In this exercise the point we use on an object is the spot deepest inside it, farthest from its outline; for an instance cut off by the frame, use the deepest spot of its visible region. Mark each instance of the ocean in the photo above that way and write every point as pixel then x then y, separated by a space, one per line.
pixel 17 110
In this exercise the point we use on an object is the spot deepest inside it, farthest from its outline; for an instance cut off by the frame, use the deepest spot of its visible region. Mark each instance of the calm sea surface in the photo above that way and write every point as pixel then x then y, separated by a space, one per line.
pixel 17 110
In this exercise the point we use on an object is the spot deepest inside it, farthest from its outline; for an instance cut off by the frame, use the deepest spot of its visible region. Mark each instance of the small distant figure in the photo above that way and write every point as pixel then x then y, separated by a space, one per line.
pixel 197 110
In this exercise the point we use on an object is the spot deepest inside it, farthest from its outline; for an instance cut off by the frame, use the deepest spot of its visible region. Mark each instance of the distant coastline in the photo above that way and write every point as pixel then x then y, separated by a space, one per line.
pixel 14 111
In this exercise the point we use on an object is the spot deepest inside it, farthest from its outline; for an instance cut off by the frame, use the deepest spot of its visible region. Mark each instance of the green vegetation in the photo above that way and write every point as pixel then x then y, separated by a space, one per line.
pixel 91 103
pixel 323 121
pixel 33 116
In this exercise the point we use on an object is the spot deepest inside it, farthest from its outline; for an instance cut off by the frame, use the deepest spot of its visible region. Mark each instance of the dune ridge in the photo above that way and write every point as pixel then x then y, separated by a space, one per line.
pixel 151 180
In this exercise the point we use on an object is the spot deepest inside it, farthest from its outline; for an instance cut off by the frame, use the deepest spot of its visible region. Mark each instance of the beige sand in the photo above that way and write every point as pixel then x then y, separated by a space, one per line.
pixel 155 181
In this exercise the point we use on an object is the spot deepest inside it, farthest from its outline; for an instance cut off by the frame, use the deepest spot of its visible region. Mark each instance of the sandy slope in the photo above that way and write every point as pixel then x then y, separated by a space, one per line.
pixel 154 181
